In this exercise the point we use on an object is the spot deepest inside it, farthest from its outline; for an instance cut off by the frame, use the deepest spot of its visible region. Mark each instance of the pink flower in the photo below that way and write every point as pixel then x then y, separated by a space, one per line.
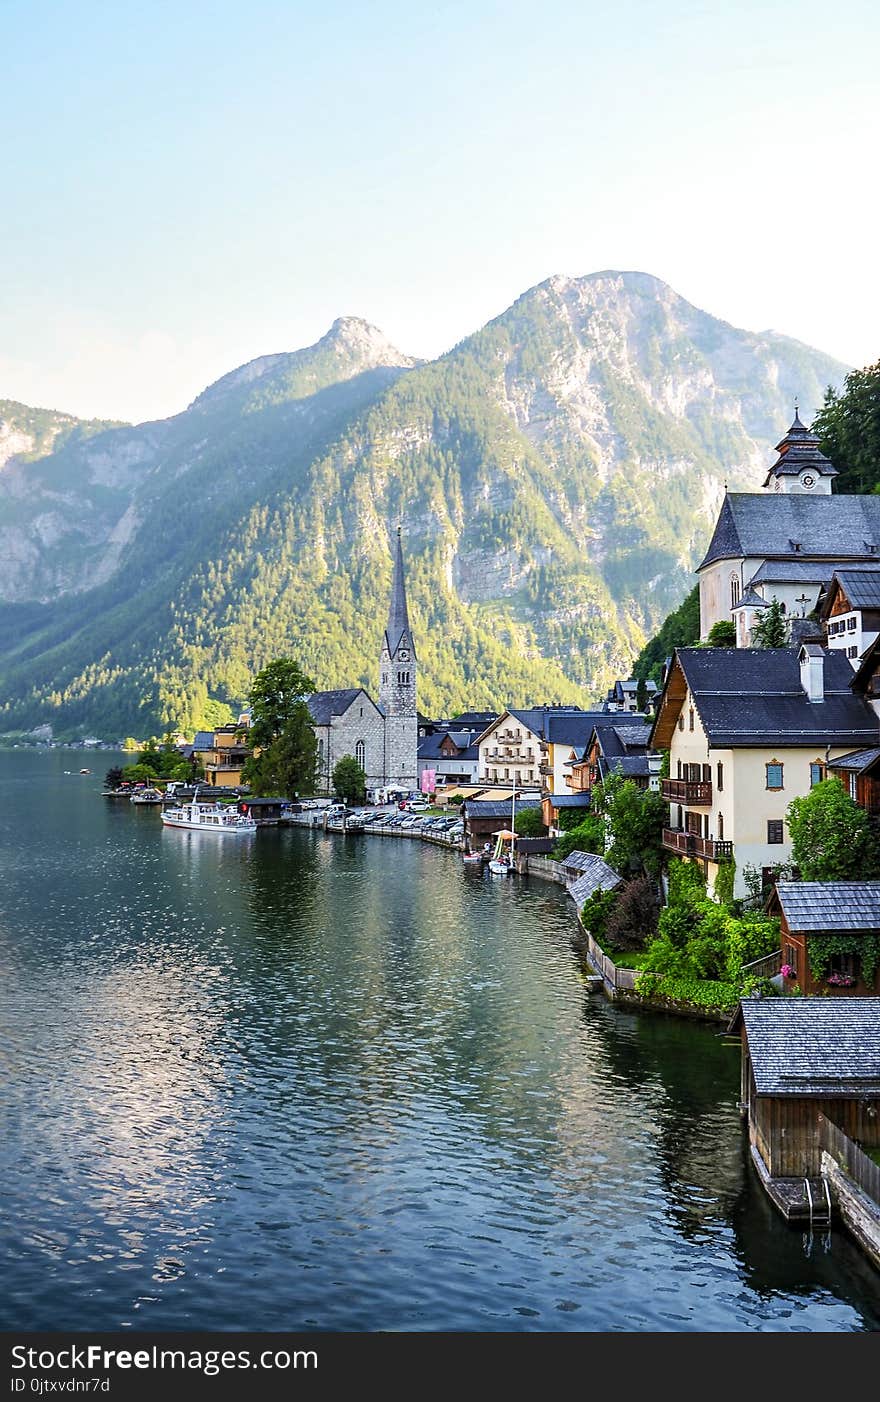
pixel 788 971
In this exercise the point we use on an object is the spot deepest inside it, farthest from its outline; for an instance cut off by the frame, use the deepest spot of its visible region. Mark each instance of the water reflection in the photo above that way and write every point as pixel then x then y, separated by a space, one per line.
pixel 303 1081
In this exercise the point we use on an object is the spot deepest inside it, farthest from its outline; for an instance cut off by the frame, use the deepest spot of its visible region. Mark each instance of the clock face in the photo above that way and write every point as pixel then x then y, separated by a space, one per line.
pixel 403 655
pixel 807 480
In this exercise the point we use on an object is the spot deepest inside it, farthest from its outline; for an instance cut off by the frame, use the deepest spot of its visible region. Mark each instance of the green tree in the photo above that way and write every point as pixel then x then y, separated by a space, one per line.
pixel 770 630
pixel 588 836
pixel 722 634
pixel 641 695
pixel 285 750
pixel 832 838
pixel 633 920
pixel 848 425
pixel 113 778
pixel 349 780
pixel 634 820
pixel 529 822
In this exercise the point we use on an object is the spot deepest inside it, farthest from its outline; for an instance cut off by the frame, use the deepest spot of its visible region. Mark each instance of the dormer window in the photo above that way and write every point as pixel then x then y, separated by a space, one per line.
pixel 795 546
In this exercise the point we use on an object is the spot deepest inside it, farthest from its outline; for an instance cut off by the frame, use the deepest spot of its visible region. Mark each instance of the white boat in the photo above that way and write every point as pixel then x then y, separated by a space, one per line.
pixel 503 862
pixel 208 817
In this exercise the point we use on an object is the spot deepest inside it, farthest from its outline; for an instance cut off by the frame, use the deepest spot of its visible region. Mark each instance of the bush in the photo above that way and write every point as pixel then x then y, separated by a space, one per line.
pixel 633 919
pixel 588 836
pixel 529 822
pixel 596 911
pixel 712 995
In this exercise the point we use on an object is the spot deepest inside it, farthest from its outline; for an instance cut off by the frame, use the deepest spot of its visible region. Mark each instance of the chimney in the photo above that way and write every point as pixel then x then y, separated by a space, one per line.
pixel 812 660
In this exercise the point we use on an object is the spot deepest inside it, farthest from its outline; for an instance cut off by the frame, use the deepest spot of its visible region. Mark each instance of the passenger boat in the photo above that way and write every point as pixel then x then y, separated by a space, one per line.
pixel 503 861
pixel 208 817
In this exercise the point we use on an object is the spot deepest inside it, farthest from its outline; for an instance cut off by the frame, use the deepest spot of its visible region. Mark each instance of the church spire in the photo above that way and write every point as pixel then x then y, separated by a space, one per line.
pixel 801 465
pixel 398 616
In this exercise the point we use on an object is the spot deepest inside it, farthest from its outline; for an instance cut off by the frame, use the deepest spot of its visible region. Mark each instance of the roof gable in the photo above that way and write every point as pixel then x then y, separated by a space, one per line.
pixel 751 524
pixel 813 1046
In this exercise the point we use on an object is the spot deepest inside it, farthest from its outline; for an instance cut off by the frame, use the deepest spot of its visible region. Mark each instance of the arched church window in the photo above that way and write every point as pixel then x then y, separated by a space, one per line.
pixel 734 590
pixel 360 751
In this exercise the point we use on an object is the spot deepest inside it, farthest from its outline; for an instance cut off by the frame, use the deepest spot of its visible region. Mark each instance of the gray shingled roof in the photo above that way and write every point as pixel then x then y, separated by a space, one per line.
pixel 324 705
pixel 598 875
pixel 830 905
pixel 750 523
pixel 856 762
pixel 753 696
pixel 578 861
pixel 569 800
pixel 633 736
pixel 795 571
pixel 814 1046
pixel 630 766
pixel 861 587
pixel 204 740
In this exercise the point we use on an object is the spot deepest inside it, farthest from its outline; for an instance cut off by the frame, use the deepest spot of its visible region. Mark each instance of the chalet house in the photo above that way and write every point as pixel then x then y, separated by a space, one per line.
pixel 847 910
pixel 805 1060
pixel 617 747
pixel 517 747
pixel 222 752
pixel 850 610
pixel 786 542
pixel 452 756
pixel 623 695
pixel 748 730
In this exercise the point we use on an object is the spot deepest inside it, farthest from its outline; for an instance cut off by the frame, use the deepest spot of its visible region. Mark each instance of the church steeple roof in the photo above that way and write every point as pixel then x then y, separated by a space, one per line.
pixel 398 616
pixel 799 450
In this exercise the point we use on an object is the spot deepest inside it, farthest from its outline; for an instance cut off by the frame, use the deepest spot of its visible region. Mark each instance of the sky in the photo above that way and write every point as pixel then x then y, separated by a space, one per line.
pixel 185 186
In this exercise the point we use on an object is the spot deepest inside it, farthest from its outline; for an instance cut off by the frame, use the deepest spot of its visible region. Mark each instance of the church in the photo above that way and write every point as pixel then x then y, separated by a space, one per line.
pixel 786 542
pixel 383 736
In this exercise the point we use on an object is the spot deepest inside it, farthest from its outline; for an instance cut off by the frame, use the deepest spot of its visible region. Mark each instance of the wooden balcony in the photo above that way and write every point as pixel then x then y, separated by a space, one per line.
pixel 697 792
pixel 687 844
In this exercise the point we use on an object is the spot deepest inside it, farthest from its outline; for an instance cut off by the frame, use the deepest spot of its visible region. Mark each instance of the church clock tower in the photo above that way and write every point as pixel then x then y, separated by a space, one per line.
pixel 397 686
pixel 801 467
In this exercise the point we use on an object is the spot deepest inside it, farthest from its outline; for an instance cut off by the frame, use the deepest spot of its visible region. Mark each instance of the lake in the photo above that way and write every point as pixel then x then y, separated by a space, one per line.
pixel 293 1081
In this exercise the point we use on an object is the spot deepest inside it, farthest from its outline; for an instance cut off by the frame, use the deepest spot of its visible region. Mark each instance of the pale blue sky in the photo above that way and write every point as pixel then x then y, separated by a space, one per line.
pixel 185 186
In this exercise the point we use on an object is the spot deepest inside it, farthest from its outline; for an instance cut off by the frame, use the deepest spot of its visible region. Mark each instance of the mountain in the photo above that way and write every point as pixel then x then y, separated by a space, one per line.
pixel 557 475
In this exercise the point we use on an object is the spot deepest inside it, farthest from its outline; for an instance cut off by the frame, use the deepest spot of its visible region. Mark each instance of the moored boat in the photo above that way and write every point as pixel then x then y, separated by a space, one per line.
pixel 148 795
pixel 208 817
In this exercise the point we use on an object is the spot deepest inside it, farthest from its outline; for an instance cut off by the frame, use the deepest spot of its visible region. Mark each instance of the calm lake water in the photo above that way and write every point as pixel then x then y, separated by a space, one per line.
pixel 297 1082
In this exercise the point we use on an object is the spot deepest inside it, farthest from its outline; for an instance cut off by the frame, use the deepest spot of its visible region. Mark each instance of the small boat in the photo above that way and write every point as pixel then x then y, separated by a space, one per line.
pixel 208 817
pixel 472 858
pixel 85 771
pixel 146 796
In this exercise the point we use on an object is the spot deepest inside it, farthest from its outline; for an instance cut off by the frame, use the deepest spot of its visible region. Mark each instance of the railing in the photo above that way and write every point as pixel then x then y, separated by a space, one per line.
pixel 768 966
pixel 853 1160
pixel 697 791
pixel 688 844
pixel 615 976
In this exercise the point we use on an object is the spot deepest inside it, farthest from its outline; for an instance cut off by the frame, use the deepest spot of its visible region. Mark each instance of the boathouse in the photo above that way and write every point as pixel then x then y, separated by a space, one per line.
pixel 829 933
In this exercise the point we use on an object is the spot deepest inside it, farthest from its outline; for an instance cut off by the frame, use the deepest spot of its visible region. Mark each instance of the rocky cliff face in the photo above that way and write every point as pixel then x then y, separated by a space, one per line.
pixel 557 475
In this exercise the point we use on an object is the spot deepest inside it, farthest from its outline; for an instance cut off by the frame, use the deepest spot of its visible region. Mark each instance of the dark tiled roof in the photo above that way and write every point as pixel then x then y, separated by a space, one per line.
pixel 542 719
pixel 324 705
pixel 750 523
pixel 753 696
pixel 633 736
pixel 204 740
pixel 598 875
pixel 477 808
pixel 429 746
pixel 830 905
pixel 814 1046
pixel 574 729
pixel 630 766
pixel 569 800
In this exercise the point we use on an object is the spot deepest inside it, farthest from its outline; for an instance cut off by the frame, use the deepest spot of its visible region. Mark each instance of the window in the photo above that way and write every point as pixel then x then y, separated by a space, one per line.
pixel 774 776
pixel 403 678
pixel 384 678
pixel 852 652
pixel 845 966
pixel 320 754
pixel 734 591
pixel 791 956
pixel 817 773
pixel 691 718
pixel 774 830
pixel 851 624
pixel 720 827
pixel 360 750
pixel 681 720
pixel 720 777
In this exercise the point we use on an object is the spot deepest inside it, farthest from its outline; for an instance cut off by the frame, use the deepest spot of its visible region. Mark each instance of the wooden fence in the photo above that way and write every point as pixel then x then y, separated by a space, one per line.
pixel 766 967
pixel 853 1160
pixel 616 978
